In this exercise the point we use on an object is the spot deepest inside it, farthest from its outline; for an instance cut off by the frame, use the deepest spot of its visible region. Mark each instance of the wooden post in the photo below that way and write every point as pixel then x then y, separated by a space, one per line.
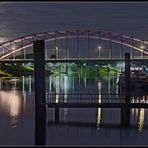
pixel 127 78
pixel 125 112
pixel 40 109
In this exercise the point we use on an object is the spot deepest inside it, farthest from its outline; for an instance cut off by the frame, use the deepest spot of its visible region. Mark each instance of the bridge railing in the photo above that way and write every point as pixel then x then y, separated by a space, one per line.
pixel 73 59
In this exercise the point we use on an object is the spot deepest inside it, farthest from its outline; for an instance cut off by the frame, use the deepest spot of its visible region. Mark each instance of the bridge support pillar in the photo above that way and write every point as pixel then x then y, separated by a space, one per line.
pixel 40 97
pixel 125 112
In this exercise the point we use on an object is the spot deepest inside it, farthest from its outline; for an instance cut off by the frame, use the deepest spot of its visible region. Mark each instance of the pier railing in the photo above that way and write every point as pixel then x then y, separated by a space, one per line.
pixel 93 98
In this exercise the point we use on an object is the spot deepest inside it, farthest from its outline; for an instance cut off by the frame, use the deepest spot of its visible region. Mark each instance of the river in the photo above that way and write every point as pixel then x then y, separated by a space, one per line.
pixel 97 126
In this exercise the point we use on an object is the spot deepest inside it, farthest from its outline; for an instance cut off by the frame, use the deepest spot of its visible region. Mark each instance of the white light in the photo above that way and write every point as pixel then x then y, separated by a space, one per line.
pixel 13 48
pixel 142 46
pixel 56 48
pixel 11 99
pixel 99 47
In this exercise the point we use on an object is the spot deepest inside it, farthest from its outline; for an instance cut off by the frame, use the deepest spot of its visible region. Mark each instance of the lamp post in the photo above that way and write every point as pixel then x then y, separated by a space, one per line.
pixel 13 49
pixel 56 52
pixel 99 48
pixel 142 47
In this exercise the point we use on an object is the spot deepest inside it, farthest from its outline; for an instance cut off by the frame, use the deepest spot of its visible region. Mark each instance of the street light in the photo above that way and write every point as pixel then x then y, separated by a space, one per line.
pixel 142 47
pixel 13 48
pixel 99 48
pixel 56 51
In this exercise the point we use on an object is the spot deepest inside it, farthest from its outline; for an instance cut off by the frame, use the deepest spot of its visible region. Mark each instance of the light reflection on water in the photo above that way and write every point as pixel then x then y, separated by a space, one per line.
pixel 141 119
pixel 14 97
pixel 99 100
pixel 137 114
pixel 10 102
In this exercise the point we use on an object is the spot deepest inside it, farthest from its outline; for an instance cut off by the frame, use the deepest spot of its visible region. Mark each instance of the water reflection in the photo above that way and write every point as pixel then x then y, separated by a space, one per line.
pixel 16 100
pixel 10 102
pixel 14 94
pixel 141 120
pixel 138 115
pixel 59 83
pixel 99 101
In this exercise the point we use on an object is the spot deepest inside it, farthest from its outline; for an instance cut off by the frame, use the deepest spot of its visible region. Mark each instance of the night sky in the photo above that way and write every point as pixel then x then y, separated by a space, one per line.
pixel 19 19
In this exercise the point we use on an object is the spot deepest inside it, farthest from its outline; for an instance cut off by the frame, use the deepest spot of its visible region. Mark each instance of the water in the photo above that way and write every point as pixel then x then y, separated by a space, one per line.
pixel 95 126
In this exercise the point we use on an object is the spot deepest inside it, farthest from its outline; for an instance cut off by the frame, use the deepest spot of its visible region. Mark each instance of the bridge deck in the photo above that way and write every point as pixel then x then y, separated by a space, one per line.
pixel 72 60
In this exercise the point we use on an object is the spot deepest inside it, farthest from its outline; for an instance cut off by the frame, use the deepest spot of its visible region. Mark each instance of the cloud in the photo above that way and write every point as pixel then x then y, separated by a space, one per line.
pixel 24 18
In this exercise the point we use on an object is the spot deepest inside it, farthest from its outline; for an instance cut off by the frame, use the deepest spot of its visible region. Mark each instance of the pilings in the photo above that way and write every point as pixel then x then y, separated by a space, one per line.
pixel 125 112
pixel 40 99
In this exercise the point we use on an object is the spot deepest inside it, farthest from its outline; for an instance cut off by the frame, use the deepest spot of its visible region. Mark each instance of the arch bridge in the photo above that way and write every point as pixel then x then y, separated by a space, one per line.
pixel 73 45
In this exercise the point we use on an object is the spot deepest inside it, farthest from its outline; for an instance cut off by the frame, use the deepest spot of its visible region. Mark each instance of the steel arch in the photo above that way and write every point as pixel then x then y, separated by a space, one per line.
pixel 6 48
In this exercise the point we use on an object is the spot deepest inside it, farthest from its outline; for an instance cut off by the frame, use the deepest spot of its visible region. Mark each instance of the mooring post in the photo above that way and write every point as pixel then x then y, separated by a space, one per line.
pixel 40 97
pixel 125 112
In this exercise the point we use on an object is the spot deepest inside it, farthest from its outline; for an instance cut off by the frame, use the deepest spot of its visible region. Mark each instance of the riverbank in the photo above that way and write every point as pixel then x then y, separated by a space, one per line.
pixel 19 70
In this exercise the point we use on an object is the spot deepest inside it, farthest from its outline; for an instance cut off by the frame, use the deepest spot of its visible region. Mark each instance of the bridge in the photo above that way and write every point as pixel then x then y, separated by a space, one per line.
pixel 76 46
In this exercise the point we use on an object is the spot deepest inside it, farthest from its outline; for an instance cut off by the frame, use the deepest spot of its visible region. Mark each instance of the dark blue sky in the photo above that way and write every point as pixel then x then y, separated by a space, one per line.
pixel 18 19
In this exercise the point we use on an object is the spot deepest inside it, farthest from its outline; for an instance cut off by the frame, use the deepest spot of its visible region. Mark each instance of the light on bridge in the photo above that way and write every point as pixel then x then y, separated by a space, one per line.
pixel 99 48
pixel 142 47
pixel 56 48
pixel 56 51
pixel 13 47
